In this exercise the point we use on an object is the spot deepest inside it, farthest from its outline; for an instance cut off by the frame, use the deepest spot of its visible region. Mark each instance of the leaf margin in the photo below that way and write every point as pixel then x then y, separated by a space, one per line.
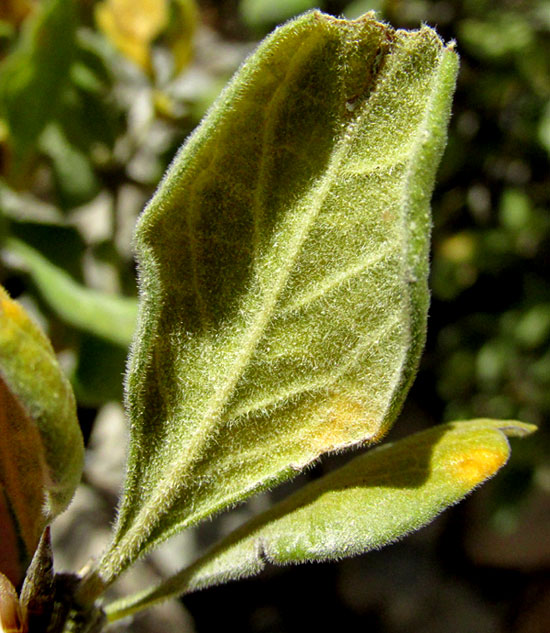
pixel 488 455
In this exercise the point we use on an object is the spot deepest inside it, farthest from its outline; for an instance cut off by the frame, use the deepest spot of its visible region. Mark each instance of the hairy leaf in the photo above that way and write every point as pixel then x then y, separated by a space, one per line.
pixel 41 448
pixel 283 271
pixel 373 500
pixel 108 316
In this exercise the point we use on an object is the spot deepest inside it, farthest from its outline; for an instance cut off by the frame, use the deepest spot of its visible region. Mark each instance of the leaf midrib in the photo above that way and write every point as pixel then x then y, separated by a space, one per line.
pixel 313 202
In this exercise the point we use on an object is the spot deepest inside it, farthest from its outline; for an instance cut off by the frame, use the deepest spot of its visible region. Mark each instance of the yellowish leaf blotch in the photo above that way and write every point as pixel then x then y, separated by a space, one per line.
pixel 345 421
pixel 477 465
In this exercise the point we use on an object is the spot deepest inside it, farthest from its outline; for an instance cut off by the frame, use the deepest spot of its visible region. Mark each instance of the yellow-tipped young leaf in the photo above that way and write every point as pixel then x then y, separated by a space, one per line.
pixel 375 499
pixel 41 447
pixel 284 264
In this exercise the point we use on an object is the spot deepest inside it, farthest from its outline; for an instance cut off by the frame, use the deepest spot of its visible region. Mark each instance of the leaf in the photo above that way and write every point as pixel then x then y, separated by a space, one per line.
pixel 41 452
pixel 73 170
pixel 265 14
pixel 38 593
pixel 132 26
pixel 10 610
pixel 33 77
pixel 284 265
pixel 180 36
pixel 110 317
pixel 373 500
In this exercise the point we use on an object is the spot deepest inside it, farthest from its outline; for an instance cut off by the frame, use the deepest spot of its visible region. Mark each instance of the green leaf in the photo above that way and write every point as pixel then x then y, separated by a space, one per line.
pixel 503 35
pixel 284 264
pixel 265 14
pixel 358 7
pixel 33 77
pixel 73 171
pixel 373 500
pixel 41 452
pixel 180 37
pixel 110 317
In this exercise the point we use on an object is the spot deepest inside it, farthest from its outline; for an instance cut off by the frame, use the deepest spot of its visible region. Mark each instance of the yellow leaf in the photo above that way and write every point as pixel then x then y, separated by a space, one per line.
pixel 10 611
pixel 132 26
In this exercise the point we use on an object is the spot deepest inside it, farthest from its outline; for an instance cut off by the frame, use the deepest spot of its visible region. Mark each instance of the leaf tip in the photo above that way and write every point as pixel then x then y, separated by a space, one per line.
pixel 513 428
pixel 474 466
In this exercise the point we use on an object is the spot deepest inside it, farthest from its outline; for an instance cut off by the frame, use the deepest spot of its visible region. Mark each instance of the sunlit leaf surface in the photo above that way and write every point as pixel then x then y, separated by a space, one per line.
pixel 373 500
pixel 284 266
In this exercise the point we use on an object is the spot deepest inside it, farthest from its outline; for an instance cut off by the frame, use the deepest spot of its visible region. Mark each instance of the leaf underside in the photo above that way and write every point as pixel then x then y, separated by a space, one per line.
pixel 375 499
pixel 41 447
pixel 283 271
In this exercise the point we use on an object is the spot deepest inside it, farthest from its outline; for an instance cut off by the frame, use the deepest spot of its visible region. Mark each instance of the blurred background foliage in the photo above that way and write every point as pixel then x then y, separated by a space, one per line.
pixel 95 99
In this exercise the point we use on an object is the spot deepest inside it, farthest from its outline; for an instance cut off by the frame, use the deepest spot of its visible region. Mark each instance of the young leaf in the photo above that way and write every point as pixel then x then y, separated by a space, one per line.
pixel 37 597
pixel 283 271
pixel 375 499
pixel 107 316
pixel 41 452
pixel 10 610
